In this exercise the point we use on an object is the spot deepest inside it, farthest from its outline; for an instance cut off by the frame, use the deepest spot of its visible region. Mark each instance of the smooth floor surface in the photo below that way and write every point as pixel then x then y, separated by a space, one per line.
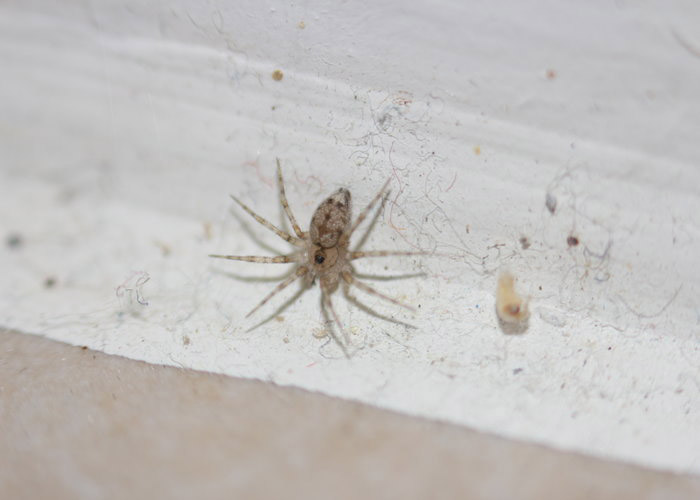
pixel 75 423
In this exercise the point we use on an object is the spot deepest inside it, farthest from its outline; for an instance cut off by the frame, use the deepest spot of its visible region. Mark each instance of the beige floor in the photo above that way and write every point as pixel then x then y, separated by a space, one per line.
pixel 80 424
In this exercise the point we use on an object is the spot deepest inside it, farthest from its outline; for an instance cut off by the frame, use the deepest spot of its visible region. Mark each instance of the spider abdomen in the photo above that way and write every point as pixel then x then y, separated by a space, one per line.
pixel 331 220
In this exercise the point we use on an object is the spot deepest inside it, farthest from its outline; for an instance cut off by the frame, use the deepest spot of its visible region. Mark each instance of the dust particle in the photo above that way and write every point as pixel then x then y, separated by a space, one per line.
pixel 551 203
pixel 165 250
pixel 277 75
pixel 207 230
pixel 14 240
pixel 320 333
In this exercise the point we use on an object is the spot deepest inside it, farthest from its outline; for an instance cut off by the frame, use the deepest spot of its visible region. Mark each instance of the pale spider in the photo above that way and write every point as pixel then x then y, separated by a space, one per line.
pixel 324 253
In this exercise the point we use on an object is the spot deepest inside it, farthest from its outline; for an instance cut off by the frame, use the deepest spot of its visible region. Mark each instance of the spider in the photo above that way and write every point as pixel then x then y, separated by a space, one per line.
pixel 323 252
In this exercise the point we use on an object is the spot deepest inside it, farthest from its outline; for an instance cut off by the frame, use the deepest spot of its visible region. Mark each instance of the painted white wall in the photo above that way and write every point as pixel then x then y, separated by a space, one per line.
pixel 125 125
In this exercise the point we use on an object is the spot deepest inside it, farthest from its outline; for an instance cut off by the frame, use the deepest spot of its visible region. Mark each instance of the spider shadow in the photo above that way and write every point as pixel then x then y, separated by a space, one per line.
pixel 518 328
pixel 330 324
pixel 372 223
pixel 253 279
pixel 391 277
pixel 282 307
pixel 252 234
pixel 371 312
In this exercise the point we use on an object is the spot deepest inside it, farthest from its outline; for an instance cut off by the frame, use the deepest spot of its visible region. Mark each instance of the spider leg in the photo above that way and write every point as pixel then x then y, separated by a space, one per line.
pixel 364 307
pixel 280 259
pixel 350 280
pixel 285 236
pixel 381 253
pixel 285 204
pixel 327 305
pixel 301 271
pixel 366 210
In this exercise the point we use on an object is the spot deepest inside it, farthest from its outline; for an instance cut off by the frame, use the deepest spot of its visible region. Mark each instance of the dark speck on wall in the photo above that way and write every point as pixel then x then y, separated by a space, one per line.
pixel 14 240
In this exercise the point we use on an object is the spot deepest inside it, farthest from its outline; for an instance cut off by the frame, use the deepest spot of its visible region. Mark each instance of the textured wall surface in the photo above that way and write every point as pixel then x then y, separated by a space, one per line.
pixel 126 126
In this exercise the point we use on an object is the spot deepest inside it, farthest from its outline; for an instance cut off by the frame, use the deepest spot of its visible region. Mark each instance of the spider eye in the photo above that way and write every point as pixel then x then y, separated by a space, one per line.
pixel 319 258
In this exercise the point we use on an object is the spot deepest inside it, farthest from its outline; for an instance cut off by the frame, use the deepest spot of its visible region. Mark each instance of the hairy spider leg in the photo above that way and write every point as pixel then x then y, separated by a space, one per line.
pixel 282 234
pixel 280 259
pixel 285 204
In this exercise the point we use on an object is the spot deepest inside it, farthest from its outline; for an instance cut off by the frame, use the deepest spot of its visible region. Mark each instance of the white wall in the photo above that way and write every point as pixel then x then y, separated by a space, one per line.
pixel 126 125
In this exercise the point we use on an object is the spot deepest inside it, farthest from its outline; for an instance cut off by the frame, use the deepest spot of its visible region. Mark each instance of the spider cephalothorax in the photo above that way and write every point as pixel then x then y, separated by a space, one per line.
pixel 324 251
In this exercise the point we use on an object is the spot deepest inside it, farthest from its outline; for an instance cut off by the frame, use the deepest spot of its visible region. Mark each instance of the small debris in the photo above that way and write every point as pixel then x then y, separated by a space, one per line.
pixel 277 75
pixel 133 286
pixel 510 306
pixel 572 241
pixel 49 282
pixel 552 316
pixel 14 240
pixel 320 333
pixel 551 203
pixel 524 242
pixel 165 249
pixel 207 230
